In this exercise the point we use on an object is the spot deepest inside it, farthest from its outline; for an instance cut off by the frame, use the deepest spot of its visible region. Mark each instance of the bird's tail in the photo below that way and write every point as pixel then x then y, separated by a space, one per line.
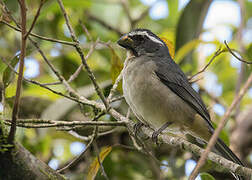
pixel 224 150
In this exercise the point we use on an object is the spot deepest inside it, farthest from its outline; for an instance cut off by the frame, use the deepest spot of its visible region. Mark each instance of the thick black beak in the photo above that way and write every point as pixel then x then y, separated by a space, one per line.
pixel 125 41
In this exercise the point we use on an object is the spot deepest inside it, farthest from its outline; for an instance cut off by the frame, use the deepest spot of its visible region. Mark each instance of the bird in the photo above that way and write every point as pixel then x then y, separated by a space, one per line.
pixel 159 93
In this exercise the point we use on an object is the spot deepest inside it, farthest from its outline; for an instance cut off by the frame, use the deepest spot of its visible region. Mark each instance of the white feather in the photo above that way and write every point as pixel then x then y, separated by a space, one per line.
pixel 154 39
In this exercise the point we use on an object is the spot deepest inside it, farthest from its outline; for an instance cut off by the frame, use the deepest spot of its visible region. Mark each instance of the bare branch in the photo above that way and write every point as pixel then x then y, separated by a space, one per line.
pixel 77 72
pixel 78 158
pixel 99 160
pixel 113 89
pixel 217 53
pixel 80 99
pixel 43 123
pixel 142 16
pixel 240 59
pixel 84 62
pixel 21 70
pixel 35 18
pixel 86 31
pixel 116 99
pixel 106 25
pixel 40 37
pixel 125 6
pixel 220 127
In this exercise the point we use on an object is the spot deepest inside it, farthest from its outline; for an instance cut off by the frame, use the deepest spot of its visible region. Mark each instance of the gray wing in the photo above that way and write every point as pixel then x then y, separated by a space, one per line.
pixel 171 75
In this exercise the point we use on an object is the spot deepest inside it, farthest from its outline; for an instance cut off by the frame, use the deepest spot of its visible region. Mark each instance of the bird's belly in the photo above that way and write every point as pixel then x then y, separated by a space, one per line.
pixel 153 102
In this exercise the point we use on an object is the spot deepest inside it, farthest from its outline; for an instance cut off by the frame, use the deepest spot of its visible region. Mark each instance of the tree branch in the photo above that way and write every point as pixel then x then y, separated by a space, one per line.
pixel 43 123
pixel 21 70
pixel 40 37
pixel 83 60
pixel 220 127
pixel 35 18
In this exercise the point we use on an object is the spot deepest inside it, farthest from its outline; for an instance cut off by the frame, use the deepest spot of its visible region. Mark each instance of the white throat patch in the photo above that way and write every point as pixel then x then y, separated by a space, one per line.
pixel 154 39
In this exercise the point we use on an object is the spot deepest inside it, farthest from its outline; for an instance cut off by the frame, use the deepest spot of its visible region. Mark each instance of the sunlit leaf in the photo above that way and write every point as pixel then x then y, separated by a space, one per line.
pixel 94 167
pixel 8 74
pixel 249 52
pixel 223 135
pixel 170 46
pixel 185 49
pixel 206 176
pixel 116 67
pixel 190 25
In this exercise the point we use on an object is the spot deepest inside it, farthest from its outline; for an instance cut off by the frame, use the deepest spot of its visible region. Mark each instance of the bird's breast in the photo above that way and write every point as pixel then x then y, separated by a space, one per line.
pixel 151 101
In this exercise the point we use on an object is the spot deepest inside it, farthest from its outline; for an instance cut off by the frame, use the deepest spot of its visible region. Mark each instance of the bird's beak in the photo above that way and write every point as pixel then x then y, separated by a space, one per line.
pixel 125 41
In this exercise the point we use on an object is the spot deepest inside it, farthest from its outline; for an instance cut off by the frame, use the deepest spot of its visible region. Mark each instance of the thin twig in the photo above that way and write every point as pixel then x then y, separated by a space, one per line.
pixel 86 31
pixel 76 159
pixel 35 18
pixel 83 60
pixel 104 24
pixel 125 6
pixel 142 16
pixel 71 91
pixel 40 37
pixel 217 53
pixel 220 127
pixel 21 70
pixel 241 70
pixel 113 89
pixel 240 59
pixel 99 160
pixel 80 99
pixel 52 84
pixel 119 98
pixel 43 123
pixel 77 72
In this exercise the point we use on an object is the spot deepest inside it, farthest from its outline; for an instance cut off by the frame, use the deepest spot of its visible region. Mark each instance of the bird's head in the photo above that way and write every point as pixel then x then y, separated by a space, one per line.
pixel 142 42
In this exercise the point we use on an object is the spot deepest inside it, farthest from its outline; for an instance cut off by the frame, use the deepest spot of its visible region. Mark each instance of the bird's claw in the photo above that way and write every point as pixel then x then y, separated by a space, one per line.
pixel 155 134
pixel 154 137
pixel 136 128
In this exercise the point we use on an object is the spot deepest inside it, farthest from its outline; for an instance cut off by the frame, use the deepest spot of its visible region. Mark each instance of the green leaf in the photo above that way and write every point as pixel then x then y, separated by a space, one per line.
pixel 186 49
pixel 8 74
pixel 190 24
pixel 223 135
pixel 249 52
pixel 206 176
pixel 94 167
pixel 116 68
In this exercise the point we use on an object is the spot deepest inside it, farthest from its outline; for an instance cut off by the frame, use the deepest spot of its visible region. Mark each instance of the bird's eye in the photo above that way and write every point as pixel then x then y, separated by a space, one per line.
pixel 138 38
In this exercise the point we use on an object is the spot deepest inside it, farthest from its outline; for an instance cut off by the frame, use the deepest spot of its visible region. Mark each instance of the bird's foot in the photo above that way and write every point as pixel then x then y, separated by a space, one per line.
pixel 155 134
pixel 136 128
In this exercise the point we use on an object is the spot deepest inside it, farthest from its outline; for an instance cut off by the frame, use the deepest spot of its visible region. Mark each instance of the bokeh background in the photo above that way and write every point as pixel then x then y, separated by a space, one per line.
pixel 196 28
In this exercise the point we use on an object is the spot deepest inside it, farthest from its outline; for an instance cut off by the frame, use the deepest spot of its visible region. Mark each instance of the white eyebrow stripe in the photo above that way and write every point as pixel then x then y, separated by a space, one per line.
pixel 146 34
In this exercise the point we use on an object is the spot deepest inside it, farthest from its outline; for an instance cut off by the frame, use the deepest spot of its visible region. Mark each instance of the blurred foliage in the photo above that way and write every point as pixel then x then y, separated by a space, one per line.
pixel 181 29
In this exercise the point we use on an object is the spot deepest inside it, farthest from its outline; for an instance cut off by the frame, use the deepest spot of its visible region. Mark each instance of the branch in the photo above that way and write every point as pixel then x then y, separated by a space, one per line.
pixel 21 164
pixel 106 25
pixel 99 160
pixel 217 53
pixel 241 71
pixel 113 90
pixel 21 70
pixel 220 127
pixel 83 60
pixel 144 13
pixel 35 18
pixel 77 72
pixel 240 59
pixel 80 99
pixel 40 37
pixel 43 123
pixel 78 158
